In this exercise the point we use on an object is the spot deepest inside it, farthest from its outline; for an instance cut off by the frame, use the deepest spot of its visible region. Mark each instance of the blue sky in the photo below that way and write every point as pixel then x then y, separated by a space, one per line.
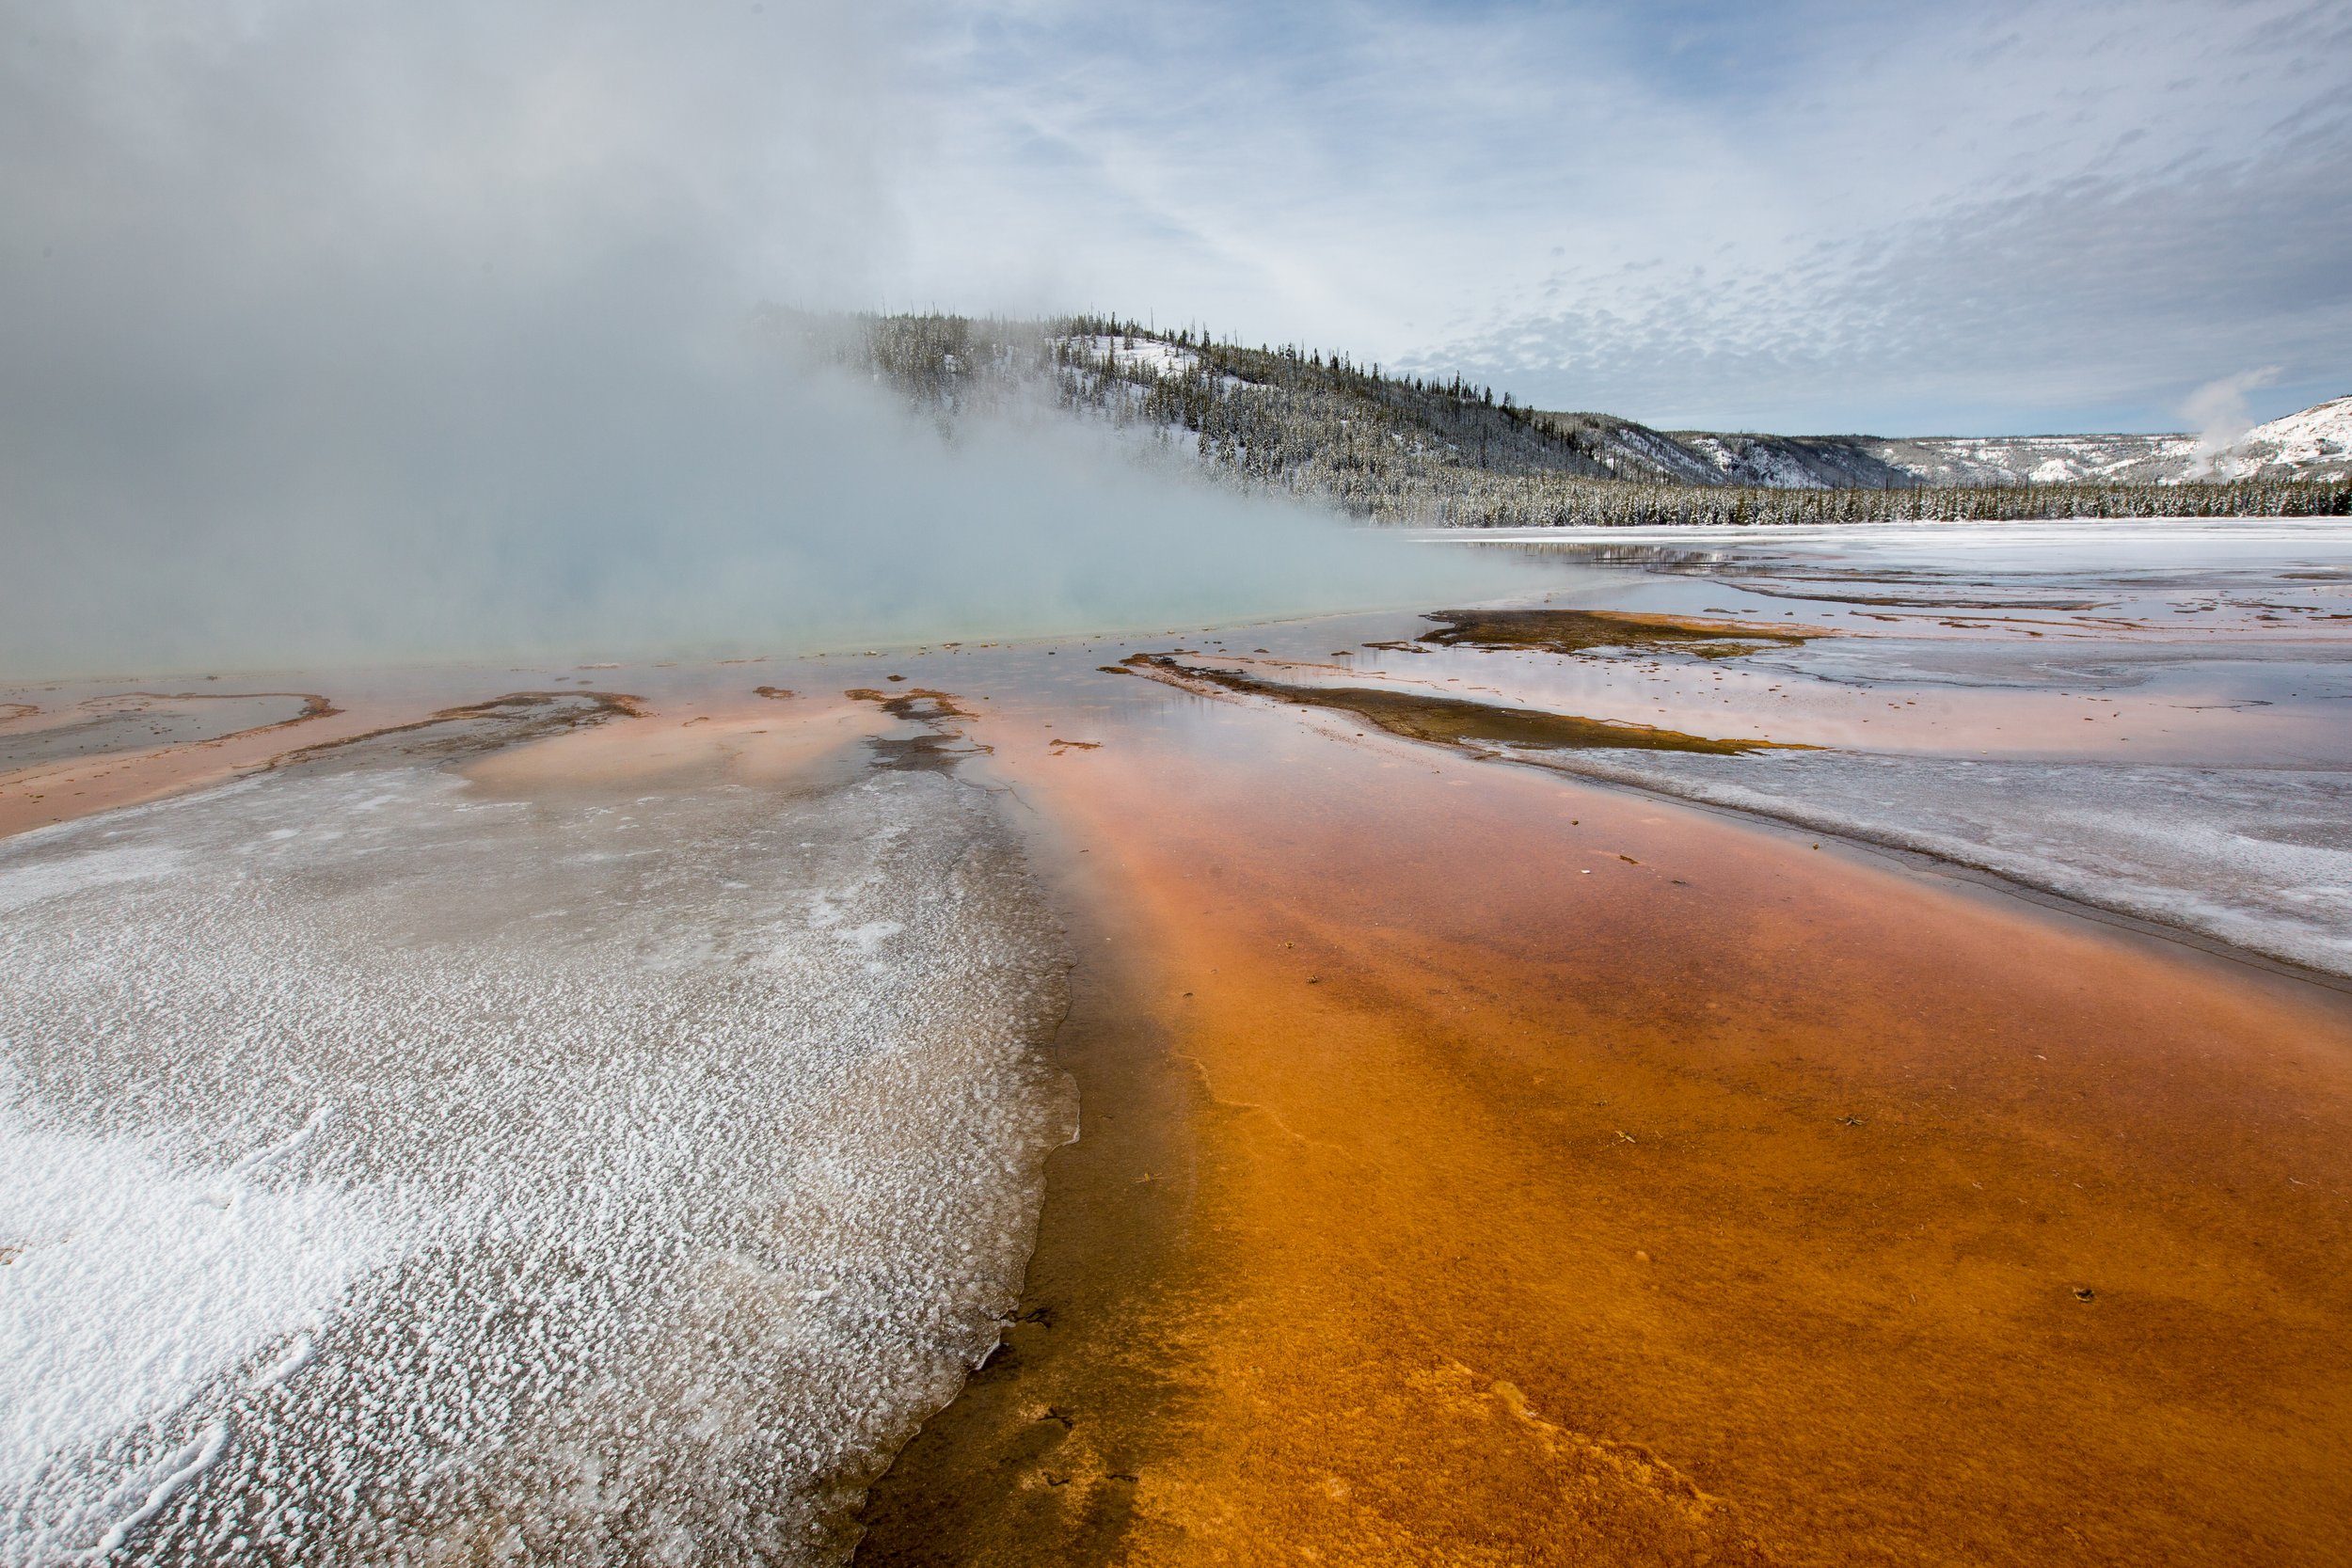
pixel 1804 215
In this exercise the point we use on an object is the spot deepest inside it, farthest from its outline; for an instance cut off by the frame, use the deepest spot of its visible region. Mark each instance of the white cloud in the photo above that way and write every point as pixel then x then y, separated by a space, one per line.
pixel 1801 213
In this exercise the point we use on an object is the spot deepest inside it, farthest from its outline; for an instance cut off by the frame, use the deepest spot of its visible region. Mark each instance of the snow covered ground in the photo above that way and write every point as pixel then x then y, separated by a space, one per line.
pixel 1149 355
pixel 1761 467
pixel 391 1172
pixel 2261 858
pixel 2152 718
pixel 2041 459
pixel 2316 443
pixel 1145 356
pixel 2313 444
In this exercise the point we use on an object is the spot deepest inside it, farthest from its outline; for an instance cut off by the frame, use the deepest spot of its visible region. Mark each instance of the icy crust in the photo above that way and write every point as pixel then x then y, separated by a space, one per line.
pixel 2260 858
pixel 391 1175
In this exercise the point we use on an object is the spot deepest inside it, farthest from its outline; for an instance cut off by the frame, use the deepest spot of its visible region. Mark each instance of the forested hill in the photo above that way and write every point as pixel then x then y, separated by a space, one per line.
pixel 1411 450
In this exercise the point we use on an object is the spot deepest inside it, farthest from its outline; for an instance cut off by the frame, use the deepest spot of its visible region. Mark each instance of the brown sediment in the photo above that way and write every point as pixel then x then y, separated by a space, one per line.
pixel 453 734
pixel 1454 721
pixel 778 692
pixel 1038 1458
pixel 936 752
pixel 1576 631
pixel 1731 1203
pixel 314 705
pixel 95 731
pixel 921 754
pixel 917 701
pixel 62 792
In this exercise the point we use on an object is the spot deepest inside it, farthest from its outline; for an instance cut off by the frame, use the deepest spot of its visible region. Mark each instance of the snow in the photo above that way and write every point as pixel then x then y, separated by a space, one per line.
pixel 388 1172
pixel 2316 442
pixel 2261 858
pixel 1657 451
pixel 136 1283
pixel 199 1457
pixel 2041 459
pixel 33 882
pixel 1147 356
pixel 2220 803
pixel 1762 465
pixel 1139 354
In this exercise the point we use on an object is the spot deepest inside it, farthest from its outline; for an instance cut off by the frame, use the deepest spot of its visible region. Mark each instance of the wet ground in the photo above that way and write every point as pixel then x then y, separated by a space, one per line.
pixel 33 734
pixel 2157 719
pixel 1497 1145
pixel 1559 1176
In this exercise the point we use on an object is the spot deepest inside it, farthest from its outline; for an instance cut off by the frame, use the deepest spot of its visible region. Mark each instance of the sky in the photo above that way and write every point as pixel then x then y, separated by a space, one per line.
pixel 1798 215
pixel 1779 215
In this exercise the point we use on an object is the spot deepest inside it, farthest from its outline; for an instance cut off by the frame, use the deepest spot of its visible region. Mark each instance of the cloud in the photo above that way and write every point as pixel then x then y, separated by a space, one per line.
pixel 2046 309
pixel 1795 212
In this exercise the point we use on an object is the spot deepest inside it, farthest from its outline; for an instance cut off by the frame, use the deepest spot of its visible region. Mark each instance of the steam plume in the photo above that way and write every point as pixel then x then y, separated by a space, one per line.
pixel 357 331
pixel 2219 410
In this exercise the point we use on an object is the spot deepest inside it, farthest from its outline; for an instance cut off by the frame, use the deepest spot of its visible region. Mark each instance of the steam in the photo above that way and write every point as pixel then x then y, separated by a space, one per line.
pixel 2219 410
pixel 351 331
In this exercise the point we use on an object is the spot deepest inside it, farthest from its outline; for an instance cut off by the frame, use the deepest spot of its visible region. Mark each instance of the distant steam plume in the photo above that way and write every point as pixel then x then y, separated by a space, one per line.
pixel 355 331
pixel 2219 410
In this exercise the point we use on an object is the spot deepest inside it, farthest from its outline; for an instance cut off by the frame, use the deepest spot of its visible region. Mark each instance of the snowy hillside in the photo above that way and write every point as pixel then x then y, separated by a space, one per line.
pixel 2041 459
pixel 1414 448
pixel 1797 462
pixel 2313 444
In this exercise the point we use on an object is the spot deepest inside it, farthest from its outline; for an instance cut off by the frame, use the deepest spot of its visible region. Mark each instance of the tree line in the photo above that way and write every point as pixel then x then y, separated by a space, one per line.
pixel 1422 450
